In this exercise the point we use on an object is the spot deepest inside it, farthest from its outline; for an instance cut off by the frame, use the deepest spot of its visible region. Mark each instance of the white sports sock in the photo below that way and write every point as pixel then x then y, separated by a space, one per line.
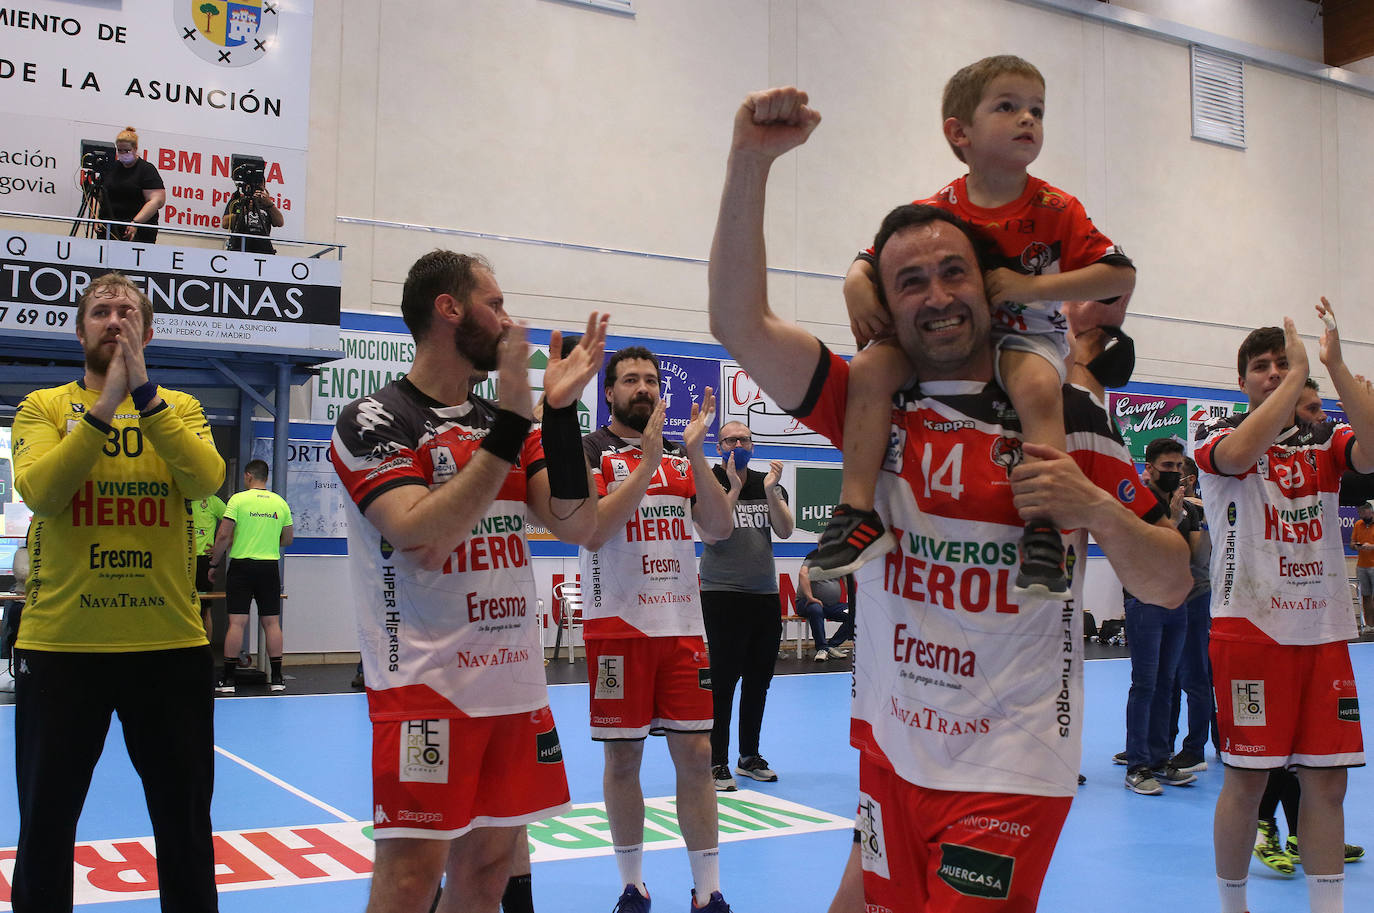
pixel 630 861
pixel 705 872
pixel 1326 893
pixel 1232 895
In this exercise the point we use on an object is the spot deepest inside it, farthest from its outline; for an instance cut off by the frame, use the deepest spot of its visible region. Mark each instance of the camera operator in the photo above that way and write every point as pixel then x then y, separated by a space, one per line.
pixel 251 211
pixel 132 192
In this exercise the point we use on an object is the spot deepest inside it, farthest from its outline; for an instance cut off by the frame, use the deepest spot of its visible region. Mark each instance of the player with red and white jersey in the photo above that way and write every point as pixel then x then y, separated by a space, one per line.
pixel 441 483
pixel 646 660
pixel 967 698
pixel 1281 608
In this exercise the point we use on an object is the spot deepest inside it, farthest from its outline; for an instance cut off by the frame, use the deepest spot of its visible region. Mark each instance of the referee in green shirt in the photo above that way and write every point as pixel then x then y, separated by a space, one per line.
pixel 255 527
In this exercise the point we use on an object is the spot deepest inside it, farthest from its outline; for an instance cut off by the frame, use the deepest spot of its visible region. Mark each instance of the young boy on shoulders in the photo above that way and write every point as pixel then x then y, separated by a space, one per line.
pixel 1051 252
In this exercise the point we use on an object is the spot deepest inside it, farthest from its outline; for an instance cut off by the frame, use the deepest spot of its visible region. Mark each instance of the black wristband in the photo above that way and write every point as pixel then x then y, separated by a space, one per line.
pixel 506 435
pixel 564 459
pixel 143 395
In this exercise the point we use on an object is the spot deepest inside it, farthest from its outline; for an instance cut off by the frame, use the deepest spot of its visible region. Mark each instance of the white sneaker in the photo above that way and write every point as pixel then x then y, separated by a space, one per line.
pixel 6 681
pixel 821 656
pixel 837 652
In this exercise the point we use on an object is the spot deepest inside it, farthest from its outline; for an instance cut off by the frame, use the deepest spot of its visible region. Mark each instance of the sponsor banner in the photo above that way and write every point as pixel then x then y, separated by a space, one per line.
pixel 256 858
pixel 235 70
pixel 682 381
pixel 817 493
pixel 1202 411
pixel 739 399
pixel 201 298
pixel 1145 417
pixel 313 490
pixel 373 359
pixel 41 174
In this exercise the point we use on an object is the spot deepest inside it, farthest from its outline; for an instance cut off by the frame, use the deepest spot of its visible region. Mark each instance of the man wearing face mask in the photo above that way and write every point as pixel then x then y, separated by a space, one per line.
pixel 1156 635
pixel 739 604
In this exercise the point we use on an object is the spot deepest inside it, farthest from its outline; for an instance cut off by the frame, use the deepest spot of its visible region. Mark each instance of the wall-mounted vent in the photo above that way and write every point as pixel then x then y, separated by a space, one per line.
pixel 1218 98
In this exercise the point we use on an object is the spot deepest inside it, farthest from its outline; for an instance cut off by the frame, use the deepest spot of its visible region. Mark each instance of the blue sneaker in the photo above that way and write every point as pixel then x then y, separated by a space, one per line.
pixel 717 904
pixel 631 901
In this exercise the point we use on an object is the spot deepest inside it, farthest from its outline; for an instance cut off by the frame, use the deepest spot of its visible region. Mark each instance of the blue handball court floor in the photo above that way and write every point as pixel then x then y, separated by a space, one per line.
pixel 292 811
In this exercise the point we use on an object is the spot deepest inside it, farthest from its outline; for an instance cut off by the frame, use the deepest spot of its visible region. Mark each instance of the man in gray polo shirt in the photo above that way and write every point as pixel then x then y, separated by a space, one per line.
pixel 739 604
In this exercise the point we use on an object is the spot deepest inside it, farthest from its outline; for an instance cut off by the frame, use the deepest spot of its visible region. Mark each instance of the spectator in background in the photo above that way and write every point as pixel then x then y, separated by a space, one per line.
pixel 1194 676
pixel 9 631
pixel 131 191
pixel 1155 634
pixel 739 604
pixel 1362 541
pixel 820 602
pixel 1309 409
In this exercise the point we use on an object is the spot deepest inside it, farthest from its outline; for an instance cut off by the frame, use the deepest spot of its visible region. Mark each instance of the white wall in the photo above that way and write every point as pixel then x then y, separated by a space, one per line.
pixel 542 120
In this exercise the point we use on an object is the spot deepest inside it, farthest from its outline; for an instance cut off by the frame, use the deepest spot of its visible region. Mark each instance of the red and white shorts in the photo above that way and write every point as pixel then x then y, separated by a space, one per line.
pixel 441 778
pixel 935 851
pixel 648 685
pixel 1282 704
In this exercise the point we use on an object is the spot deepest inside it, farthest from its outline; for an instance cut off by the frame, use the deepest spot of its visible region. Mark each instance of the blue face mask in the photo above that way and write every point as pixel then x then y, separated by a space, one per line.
pixel 741 457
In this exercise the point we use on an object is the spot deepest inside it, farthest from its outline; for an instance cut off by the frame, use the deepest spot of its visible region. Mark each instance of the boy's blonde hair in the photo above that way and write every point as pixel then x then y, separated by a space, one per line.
pixel 965 89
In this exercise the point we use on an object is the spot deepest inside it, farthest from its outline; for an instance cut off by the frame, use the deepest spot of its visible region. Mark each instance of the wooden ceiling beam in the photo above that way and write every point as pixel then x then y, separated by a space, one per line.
pixel 1347 31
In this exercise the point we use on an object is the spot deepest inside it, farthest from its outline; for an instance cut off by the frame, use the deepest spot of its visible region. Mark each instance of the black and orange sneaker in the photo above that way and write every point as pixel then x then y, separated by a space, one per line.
pixel 851 539
pixel 1042 564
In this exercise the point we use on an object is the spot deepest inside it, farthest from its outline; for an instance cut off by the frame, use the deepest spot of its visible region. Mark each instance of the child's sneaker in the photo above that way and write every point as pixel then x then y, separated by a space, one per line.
pixel 1268 851
pixel 631 901
pixel 1042 564
pixel 756 767
pixel 716 904
pixel 725 783
pixel 851 539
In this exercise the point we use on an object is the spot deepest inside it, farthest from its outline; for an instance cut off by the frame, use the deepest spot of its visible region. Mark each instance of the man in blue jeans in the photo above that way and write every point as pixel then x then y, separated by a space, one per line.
pixel 1194 677
pixel 1156 635
pixel 819 601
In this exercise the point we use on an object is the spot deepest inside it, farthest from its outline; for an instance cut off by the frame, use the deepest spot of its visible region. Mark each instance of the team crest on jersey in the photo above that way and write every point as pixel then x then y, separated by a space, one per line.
pixel 896 448
pixel 620 469
pixel 1125 492
pixel 78 408
pixel 1037 257
pixel 1007 453
pixel 445 466
pixel 681 466
pixel 1231 514
pixel 869 825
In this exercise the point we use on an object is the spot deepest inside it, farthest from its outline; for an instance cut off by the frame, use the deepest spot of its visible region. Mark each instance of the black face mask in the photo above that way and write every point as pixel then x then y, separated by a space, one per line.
pixel 1114 364
pixel 1167 481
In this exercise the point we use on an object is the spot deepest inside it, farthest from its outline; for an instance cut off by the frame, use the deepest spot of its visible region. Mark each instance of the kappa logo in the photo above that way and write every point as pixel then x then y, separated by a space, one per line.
pixel 380 816
pixel 1007 453
pixel 228 33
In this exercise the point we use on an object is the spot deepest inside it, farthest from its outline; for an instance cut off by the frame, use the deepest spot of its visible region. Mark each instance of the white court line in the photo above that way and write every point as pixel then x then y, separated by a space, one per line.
pixel 286 786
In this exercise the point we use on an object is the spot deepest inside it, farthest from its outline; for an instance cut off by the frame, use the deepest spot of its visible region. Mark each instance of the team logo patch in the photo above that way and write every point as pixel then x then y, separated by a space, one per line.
pixel 896 447
pixel 547 748
pixel 1125 492
pixel 1007 453
pixel 976 873
pixel 872 846
pixel 620 470
pixel 386 548
pixel 445 467
pixel 424 751
pixel 704 679
pixel 1036 257
pixel 1247 703
pixel 1231 514
pixel 610 678
pixel 1348 709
